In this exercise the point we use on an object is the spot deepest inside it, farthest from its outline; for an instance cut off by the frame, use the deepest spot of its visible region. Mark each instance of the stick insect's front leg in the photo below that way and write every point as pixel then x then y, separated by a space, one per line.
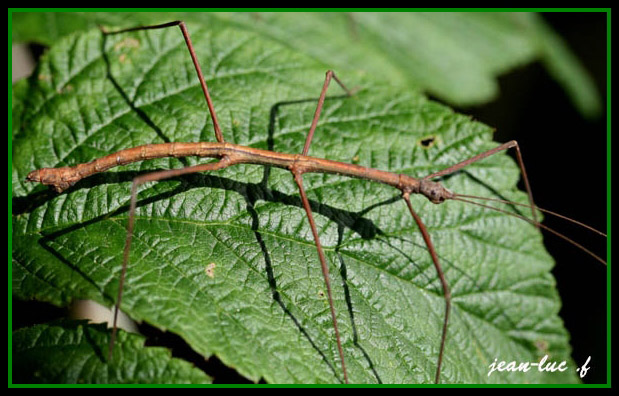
pixel 153 176
pixel 441 275
pixel 478 157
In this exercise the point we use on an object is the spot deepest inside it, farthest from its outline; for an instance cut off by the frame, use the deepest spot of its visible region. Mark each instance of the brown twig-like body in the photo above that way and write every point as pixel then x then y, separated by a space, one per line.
pixel 62 178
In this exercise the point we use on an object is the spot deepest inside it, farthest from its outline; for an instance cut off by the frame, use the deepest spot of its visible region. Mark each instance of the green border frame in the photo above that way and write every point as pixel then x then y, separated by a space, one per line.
pixel 608 206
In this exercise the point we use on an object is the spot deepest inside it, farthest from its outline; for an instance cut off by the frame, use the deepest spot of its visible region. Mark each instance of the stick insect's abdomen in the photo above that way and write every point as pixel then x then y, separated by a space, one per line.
pixel 63 178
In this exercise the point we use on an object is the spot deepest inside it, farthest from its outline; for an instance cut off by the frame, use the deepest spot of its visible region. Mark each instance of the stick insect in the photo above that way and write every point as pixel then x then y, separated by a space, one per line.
pixel 298 164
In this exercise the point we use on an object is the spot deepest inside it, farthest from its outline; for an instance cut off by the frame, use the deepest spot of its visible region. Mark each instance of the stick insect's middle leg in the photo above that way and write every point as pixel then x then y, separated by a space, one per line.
pixel 330 75
pixel 325 269
pixel 299 180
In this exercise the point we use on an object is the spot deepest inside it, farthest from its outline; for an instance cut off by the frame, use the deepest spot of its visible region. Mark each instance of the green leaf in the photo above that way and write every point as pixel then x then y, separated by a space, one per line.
pixel 73 352
pixel 455 56
pixel 227 260
pixel 46 28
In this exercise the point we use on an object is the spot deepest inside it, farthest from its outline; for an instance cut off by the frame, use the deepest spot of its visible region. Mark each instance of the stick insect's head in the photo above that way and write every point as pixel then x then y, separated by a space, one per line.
pixel 434 191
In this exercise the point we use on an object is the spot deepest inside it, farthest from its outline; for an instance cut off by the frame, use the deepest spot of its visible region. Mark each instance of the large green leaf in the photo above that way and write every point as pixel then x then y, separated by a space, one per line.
pixel 74 352
pixel 227 261
pixel 456 56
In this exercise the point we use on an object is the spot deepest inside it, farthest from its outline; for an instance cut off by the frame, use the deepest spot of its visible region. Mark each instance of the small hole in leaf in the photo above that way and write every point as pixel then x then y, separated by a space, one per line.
pixel 427 142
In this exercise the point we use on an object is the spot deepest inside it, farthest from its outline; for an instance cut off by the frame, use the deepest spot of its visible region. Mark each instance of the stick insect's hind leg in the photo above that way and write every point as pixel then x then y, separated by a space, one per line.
pixel 330 75
pixel 325 269
pixel 218 134
pixel 441 275
pixel 154 176
pixel 486 154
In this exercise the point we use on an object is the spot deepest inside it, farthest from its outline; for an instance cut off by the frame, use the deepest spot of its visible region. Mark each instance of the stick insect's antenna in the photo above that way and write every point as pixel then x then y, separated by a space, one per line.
pixel 537 224
pixel 550 212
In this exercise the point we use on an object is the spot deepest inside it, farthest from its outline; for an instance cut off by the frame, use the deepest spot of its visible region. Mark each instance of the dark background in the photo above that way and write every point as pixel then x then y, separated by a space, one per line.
pixel 565 157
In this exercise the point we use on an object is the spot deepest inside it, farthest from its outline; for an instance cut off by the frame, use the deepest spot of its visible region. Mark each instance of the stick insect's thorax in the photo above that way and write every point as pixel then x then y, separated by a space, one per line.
pixel 434 191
